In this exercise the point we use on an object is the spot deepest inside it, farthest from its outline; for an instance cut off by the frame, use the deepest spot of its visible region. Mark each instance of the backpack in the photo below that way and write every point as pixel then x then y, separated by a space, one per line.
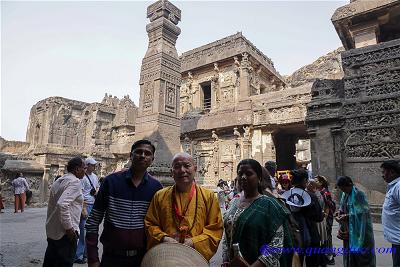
pixel 294 228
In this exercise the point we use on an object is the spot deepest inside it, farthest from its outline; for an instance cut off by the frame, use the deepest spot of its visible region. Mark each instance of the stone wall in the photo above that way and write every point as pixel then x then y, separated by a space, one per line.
pixel 13 147
pixel 355 122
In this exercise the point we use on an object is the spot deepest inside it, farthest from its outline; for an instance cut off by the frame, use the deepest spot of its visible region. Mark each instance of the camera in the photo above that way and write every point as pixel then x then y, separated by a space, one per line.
pixel 93 192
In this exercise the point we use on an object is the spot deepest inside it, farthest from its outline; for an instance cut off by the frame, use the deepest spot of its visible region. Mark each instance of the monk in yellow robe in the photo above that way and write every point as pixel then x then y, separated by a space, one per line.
pixel 185 212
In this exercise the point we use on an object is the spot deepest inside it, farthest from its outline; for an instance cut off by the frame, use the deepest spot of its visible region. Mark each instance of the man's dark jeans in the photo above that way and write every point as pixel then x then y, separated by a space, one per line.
pixel 396 255
pixel 60 253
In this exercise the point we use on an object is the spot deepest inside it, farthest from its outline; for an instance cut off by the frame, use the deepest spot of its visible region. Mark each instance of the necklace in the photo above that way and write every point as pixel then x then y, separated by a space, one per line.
pixel 178 217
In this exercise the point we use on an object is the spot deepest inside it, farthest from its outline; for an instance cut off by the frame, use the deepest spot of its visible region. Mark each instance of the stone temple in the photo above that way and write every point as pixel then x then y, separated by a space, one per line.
pixel 354 122
pixel 225 101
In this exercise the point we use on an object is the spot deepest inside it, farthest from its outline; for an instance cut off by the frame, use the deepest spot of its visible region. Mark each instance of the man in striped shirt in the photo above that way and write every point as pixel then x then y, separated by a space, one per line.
pixel 122 201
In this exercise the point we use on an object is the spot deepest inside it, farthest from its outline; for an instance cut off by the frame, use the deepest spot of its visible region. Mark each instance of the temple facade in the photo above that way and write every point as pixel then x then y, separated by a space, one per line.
pixel 354 122
pixel 234 105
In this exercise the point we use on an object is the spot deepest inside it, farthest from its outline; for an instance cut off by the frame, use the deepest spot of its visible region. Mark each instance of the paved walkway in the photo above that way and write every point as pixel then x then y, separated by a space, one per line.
pixel 23 240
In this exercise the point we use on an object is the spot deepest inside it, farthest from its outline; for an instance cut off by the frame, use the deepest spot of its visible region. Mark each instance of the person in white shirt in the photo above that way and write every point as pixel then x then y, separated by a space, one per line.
pixel 391 207
pixel 90 186
pixel 63 213
pixel 20 186
pixel 271 168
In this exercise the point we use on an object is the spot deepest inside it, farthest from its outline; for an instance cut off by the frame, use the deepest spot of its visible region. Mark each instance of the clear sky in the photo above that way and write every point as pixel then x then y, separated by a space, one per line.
pixel 84 49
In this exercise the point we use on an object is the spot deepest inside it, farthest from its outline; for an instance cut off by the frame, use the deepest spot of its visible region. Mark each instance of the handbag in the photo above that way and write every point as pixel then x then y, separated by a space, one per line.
pixel 93 190
pixel 343 235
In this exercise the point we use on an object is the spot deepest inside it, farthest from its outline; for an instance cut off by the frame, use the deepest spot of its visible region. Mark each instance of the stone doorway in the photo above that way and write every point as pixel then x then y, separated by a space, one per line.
pixel 291 144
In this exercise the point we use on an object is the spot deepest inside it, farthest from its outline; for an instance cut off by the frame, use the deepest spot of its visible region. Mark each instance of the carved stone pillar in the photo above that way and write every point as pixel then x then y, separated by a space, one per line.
pixel 245 70
pixel 160 78
pixel 44 187
pixel 312 133
pixel 256 145
pixel 215 98
pixel 338 150
pixel 268 147
pixel 246 149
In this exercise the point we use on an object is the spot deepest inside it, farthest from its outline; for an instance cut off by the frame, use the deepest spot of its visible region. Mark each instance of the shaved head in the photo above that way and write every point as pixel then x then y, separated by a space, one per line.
pixel 182 155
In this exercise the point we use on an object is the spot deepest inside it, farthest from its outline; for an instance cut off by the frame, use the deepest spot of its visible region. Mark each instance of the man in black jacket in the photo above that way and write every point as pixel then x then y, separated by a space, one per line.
pixel 307 218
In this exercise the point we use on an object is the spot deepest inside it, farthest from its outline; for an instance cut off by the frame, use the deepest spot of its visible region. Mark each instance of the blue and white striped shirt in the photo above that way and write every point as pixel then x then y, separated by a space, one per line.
pixel 123 207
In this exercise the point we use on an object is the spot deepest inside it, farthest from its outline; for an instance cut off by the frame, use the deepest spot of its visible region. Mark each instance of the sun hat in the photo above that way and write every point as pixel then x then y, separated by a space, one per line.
pixel 173 255
pixel 90 161
pixel 297 197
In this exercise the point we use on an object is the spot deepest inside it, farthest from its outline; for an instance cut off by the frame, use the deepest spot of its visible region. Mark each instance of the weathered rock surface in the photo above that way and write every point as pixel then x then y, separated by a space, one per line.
pixel 328 66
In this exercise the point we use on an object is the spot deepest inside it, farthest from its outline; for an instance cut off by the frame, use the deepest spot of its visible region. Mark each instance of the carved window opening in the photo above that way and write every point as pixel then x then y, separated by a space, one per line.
pixel 391 30
pixel 206 95
pixel 263 89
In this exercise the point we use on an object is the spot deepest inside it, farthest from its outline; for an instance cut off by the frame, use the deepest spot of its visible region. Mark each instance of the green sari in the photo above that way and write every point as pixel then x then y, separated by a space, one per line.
pixel 256 227
pixel 361 233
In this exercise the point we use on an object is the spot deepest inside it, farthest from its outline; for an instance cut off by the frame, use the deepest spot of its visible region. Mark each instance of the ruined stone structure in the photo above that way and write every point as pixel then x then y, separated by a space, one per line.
pixel 60 129
pixel 354 122
pixel 235 105
pixel 160 78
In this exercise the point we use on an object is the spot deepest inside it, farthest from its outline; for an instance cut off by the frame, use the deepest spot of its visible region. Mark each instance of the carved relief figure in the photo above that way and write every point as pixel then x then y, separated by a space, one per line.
pixel 215 154
pixel 148 94
pixel 171 96
pixel 237 151
pixel 236 132
pixel 246 134
pixel 214 135
pixel 186 145
pixel 203 170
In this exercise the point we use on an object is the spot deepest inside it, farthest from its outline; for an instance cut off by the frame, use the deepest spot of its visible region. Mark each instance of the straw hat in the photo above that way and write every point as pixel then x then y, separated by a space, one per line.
pixel 173 255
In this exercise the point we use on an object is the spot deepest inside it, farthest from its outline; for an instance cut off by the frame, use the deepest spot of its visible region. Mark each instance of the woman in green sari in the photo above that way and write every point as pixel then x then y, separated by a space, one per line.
pixel 355 226
pixel 256 227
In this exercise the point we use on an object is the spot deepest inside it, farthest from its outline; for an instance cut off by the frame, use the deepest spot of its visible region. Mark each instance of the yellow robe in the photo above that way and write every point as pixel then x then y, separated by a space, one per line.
pixel 208 225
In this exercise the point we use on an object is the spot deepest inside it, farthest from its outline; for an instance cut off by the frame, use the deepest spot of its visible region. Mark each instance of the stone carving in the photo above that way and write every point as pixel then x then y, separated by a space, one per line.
pixel 282 113
pixel 343 12
pixel 381 120
pixel 214 135
pixel 203 170
pixel 148 95
pixel 245 63
pixel 236 132
pixel 358 116
pixel 385 53
pixel 226 171
pixel 170 96
pixel 216 69
pixel 236 62
pixel 187 145
pixel 246 134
